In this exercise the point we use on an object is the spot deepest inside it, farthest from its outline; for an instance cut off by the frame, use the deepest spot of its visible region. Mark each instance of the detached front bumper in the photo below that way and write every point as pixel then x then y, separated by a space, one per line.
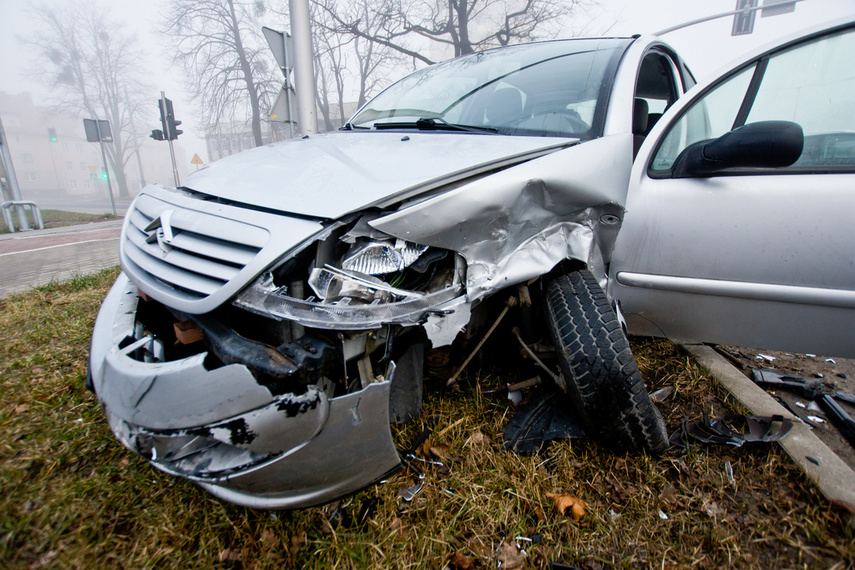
pixel 222 429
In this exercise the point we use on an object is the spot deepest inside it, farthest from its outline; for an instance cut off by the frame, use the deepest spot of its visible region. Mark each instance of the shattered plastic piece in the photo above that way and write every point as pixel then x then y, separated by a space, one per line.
pixel 816 419
pixel 409 493
pixel 661 394
pixel 544 418
pixel 765 357
pixel 719 431
pixel 831 360
pixel 728 471
pixel 515 396
pixel 801 405
pixel 662 515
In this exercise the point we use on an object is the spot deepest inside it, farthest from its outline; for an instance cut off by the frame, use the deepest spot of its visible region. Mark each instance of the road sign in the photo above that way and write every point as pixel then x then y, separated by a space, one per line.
pixel 97 131
pixel 281 45
pixel 280 111
pixel 196 159
pixel 92 169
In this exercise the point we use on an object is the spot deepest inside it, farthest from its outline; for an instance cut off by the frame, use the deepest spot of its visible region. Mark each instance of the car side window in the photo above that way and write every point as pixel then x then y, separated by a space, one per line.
pixel 814 85
pixel 811 84
pixel 710 117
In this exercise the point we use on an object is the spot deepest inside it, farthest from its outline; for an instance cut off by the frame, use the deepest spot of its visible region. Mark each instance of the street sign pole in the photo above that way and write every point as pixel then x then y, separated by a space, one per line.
pixel 281 45
pixel 109 185
pixel 98 130
pixel 163 113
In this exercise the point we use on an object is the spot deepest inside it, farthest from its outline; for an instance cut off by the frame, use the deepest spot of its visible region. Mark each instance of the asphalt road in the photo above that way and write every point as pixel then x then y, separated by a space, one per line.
pixel 33 258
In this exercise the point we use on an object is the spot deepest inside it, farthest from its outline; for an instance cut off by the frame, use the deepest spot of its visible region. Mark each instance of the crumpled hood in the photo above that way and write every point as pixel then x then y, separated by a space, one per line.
pixel 329 175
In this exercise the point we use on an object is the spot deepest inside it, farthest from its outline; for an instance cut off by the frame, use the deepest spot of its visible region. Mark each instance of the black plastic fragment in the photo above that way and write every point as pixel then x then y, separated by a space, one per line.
pixel 405 393
pixel 815 390
pixel 726 430
pixel 545 417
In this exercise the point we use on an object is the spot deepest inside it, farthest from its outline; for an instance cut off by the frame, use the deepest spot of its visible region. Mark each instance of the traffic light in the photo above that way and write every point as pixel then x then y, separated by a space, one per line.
pixel 157 135
pixel 170 129
pixel 51 134
pixel 173 128
pixel 104 173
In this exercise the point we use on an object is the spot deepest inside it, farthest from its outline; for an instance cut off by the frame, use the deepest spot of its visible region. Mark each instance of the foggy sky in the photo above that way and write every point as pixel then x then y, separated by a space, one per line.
pixel 705 47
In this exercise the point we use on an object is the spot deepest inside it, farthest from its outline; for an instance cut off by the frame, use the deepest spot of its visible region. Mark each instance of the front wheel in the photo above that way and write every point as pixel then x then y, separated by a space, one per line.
pixel 599 372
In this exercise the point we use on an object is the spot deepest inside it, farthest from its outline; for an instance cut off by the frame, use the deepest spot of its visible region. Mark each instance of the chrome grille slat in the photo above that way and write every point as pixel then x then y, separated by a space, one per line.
pixel 172 275
pixel 217 227
pixel 178 258
pixel 215 249
pixel 202 255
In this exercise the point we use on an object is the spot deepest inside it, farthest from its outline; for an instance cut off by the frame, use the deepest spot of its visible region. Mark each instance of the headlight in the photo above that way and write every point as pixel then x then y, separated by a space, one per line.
pixel 265 298
pixel 378 258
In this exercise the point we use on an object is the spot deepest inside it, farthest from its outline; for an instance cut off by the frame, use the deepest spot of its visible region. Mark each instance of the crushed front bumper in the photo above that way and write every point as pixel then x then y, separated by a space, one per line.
pixel 229 433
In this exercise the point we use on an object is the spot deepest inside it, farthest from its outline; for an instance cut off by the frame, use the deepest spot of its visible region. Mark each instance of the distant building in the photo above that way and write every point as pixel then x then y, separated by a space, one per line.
pixel 69 167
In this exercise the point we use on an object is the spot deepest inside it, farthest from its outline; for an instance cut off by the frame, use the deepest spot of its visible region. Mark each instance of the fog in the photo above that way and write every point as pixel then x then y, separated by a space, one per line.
pixel 706 47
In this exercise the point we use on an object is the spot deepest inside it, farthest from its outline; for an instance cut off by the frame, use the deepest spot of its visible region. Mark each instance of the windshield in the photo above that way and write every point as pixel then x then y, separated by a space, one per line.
pixel 541 89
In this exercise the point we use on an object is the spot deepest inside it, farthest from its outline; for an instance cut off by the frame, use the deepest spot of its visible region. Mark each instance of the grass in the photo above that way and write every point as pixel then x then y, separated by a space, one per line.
pixel 60 218
pixel 73 497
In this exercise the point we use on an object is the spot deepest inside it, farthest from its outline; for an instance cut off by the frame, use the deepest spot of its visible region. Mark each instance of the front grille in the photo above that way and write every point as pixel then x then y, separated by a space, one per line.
pixel 196 253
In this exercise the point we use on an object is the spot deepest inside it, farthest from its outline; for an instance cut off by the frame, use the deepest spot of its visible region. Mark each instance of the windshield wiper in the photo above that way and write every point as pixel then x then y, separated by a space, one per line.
pixel 434 124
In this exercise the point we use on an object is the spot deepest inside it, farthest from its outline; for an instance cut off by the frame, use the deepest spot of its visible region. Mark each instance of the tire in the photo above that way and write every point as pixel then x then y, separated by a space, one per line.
pixel 600 375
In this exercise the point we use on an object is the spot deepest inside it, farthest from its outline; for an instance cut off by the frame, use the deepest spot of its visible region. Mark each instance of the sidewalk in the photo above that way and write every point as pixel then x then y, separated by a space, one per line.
pixel 37 257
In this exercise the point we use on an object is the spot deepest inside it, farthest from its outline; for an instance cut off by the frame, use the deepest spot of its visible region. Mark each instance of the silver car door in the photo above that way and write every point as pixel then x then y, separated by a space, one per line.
pixel 760 257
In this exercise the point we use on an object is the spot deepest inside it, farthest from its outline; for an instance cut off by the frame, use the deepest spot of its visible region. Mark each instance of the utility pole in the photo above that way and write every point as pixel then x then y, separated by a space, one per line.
pixel 304 77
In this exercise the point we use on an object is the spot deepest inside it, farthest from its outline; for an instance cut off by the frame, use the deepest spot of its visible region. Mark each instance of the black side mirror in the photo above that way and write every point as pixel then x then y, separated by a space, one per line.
pixel 766 144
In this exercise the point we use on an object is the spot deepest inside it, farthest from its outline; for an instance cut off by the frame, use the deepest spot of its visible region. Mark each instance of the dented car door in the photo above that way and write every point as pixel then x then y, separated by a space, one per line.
pixel 728 240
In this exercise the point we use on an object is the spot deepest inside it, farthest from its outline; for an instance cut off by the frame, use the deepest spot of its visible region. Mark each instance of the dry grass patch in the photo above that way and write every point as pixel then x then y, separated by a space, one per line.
pixel 73 497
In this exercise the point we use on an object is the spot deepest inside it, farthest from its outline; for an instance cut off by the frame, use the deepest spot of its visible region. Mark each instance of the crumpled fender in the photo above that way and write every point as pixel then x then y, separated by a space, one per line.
pixel 572 201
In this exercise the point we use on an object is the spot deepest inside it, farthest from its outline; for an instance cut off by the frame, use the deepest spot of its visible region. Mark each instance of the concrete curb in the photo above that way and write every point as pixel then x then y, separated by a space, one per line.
pixel 64 230
pixel 834 478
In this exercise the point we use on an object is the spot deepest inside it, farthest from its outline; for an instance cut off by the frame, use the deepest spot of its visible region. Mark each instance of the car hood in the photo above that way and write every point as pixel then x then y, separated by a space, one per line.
pixel 329 175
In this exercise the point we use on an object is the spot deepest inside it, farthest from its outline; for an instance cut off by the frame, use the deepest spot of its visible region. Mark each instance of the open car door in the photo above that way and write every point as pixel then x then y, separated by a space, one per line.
pixel 740 218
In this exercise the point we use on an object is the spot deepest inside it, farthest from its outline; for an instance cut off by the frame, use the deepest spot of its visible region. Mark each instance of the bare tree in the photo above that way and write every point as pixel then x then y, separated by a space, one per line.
pixel 91 64
pixel 348 66
pixel 461 25
pixel 229 68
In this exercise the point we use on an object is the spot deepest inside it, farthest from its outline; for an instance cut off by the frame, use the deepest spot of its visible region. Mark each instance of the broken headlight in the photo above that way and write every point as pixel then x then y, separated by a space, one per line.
pixel 379 258
pixel 359 282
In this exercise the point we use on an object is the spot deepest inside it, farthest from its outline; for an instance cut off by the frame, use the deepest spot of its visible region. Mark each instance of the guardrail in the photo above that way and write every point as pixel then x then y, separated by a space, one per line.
pixel 7 213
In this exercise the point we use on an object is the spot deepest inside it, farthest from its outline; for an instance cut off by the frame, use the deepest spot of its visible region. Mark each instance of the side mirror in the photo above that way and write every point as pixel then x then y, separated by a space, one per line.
pixel 766 144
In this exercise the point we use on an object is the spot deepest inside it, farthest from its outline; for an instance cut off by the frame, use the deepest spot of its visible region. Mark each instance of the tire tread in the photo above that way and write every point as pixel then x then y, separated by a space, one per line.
pixel 600 372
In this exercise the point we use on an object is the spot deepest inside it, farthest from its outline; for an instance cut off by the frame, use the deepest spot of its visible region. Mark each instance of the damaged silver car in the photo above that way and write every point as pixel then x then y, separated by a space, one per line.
pixel 273 313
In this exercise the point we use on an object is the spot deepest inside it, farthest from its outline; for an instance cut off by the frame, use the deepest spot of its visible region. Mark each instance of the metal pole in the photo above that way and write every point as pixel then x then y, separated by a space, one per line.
pixel 289 101
pixel 714 17
pixel 166 134
pixel 174 166
pixel 104 160
pixel 13 180
pixel 304 76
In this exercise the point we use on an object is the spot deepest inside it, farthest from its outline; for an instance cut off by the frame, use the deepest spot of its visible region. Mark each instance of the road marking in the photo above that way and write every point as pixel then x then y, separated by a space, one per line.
pixel 57 245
